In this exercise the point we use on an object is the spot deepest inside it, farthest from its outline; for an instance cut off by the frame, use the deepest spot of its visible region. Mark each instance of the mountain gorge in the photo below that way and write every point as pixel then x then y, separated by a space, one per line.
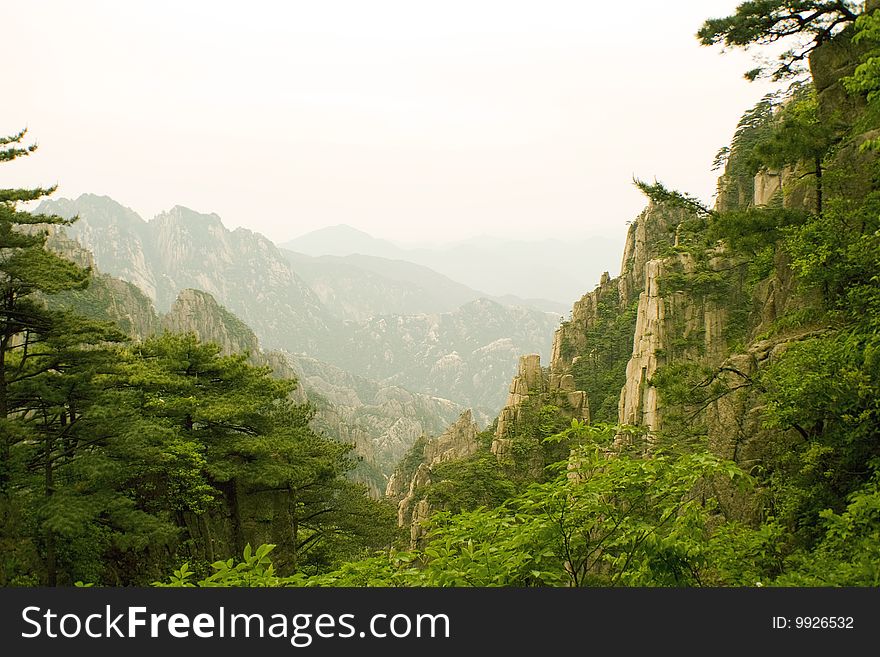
pixel 387 351
pixel 382 421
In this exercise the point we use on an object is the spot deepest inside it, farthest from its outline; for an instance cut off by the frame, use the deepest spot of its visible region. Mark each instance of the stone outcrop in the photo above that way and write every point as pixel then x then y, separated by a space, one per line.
pixel 198 312
pixel 768 187
pixel 654 229
pixel 107 297
pixel 458 442
pixel 570 338
pixel 670 326
pixel 638 399
pixel 533 383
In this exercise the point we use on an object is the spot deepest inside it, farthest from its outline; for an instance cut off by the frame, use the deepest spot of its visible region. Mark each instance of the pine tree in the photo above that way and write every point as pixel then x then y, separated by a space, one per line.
pixel 805 23
pixel 259 451
pixel 27 269
pixel 50 364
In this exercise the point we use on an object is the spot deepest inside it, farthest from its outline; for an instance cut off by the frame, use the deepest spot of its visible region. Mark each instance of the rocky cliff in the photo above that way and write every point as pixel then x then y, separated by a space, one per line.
pixel 533 390
pixel 195 311
pixel 107 297
pixel 408 482
pixel 676 344
pixel 604 345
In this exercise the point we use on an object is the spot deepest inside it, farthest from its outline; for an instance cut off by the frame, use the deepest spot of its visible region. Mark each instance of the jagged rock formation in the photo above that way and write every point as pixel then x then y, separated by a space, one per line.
pixel 598 339
pixel 584 315
pixel 107 298
pixel 182 249
pixel 198 312
pixel 670 326
pixel 533 383
pixel 407 483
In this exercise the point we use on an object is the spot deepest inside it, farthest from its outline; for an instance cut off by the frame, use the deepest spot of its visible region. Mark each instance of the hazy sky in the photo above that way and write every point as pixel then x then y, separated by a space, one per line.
pixel 411 120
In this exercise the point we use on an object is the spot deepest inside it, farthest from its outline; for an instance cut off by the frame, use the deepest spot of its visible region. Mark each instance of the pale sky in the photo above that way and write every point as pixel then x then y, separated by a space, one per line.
pixel 410 120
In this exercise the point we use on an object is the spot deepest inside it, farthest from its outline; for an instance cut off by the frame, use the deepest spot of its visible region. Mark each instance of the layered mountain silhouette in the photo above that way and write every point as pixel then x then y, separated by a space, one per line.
pixel 548 274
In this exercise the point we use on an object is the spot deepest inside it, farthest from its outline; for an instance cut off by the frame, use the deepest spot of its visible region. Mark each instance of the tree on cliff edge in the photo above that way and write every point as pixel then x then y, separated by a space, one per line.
pixel 806 24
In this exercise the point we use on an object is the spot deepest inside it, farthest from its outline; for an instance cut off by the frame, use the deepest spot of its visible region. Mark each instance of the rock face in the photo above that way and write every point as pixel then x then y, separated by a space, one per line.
pixel 457 442
pixel 406 485
pixel 686 302
pixel 652 231
pixel 671 326
pixel 571 336
pixel 198 312
pixel 768 187
pixel 532 382
pixel 106 298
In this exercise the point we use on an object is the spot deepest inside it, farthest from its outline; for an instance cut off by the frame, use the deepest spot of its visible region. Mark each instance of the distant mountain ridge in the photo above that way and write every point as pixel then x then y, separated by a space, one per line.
pixel 459 355
pixel 558 269
pixel 359 287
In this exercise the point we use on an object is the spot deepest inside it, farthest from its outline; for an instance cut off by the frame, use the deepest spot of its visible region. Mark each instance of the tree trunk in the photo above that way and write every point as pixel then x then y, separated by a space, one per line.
pixel 4 411
pixel 294 526
pixel 234 515
pixel 51 565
